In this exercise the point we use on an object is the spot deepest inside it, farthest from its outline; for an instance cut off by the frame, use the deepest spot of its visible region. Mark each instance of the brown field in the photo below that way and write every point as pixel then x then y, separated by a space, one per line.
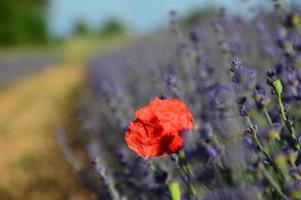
pixel 31 164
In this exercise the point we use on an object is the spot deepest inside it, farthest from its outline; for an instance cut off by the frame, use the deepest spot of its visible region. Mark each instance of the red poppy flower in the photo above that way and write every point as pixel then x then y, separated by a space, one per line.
pixel 158 127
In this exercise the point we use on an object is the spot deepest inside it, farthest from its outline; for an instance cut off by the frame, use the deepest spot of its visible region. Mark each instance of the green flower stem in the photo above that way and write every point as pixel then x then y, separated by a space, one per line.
pixel 265 171
pixel 278 88
pixel 258 143
pixel 281 106
pixel 113 191
pixel 260 146
pixel 108 180
pixel 274 183
pixel 267 116
pixel 262 149
pixel 174 190
pixel 173 187
pixel 185 170
pixel 288 125
pixel 183 163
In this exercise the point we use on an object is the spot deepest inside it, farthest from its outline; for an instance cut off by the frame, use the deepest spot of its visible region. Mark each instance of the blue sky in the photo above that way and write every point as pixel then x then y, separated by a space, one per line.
pixel 141 15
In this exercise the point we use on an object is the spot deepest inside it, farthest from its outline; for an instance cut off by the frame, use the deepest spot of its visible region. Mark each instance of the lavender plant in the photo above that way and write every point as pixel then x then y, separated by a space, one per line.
pixel 241 81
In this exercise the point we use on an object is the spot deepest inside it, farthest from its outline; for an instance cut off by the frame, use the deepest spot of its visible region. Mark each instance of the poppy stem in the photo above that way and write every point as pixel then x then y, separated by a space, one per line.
pixel 277 86
pixel 174 190
pixel 187 173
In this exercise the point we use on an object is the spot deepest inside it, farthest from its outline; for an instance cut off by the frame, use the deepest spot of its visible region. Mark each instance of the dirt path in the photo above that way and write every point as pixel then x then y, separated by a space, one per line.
pixel 31 165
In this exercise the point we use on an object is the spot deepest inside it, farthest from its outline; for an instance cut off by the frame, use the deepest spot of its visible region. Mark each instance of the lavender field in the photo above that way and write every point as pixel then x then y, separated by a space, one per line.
pixel 239 78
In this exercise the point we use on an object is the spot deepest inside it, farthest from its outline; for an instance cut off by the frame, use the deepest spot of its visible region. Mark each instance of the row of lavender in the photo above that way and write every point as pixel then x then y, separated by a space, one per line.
pixel 241 81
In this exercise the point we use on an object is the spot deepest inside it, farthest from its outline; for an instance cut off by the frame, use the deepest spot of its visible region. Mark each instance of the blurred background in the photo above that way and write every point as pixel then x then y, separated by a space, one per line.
pixel 44 46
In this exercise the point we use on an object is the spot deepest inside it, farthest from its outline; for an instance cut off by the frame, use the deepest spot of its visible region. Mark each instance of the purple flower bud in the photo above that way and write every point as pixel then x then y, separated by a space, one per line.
pixel 271 73
pixel 260 26
pixel 212 151
pixel 170 79
pixel 244 78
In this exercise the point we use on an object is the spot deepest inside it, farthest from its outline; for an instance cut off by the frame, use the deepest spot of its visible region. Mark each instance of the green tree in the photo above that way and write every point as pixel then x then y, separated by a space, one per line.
pixel 23 21
pixel 81 28
pixel 197 15
pixel 112 27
